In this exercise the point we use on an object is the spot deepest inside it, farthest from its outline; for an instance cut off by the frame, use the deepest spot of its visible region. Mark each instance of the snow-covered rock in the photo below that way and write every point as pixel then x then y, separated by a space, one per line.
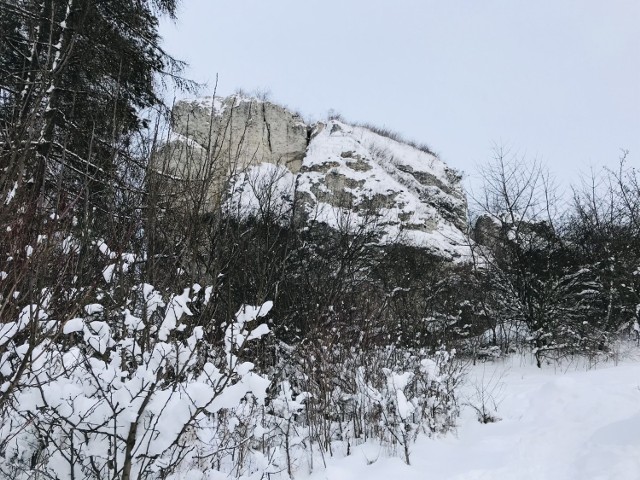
pixel 242 130
pixel 334 173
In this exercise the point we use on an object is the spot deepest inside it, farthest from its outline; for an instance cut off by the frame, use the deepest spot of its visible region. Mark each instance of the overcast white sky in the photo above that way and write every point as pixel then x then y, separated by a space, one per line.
pixel 554 79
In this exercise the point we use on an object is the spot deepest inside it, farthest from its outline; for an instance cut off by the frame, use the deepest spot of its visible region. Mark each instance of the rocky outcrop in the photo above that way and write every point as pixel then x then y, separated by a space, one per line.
pixel 329 171
pixel 244 131
pixel 486 230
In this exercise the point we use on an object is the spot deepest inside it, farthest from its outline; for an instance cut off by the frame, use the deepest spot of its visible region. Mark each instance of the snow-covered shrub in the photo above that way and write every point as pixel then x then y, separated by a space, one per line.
pixel 486 396
pixel 389 395
pixel 129 392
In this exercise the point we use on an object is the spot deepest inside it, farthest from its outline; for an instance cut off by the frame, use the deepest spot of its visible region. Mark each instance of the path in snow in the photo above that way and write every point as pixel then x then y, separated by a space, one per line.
pixel 578 425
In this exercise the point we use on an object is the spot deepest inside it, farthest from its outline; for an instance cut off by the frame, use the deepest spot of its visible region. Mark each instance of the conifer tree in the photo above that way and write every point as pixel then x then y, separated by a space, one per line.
pixel 75 76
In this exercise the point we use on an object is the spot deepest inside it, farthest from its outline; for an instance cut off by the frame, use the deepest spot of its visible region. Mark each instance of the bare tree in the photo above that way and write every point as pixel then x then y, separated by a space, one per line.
pixel 537 289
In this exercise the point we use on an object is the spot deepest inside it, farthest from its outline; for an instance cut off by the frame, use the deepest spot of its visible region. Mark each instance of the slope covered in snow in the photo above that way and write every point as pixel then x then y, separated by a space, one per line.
pixel 555 425
pixel 414 196
pixel 337 173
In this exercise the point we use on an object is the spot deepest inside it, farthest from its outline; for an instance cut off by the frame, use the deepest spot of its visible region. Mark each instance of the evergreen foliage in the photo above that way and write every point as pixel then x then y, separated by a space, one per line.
pixel 77 75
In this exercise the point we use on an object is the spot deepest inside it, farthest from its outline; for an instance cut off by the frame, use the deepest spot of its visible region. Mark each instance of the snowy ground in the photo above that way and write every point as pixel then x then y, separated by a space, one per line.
pixel 556 424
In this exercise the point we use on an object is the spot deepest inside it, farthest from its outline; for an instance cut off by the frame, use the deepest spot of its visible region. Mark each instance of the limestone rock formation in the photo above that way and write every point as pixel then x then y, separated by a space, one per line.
pixel 243 131
pixel 330 171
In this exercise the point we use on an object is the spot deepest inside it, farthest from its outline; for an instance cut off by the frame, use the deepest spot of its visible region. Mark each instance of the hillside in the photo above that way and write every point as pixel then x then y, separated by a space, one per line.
pixel 334 173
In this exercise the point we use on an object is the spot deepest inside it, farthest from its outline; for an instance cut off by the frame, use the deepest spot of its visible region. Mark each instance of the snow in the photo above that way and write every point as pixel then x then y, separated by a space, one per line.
pixel 248 190
pixel 73 325
pixel 11 193
pixel 555 425
pixel 218 105
pixel 70 245
pixel 374 169
pixel 258 332
pixel 152 298
pixel 561 422
pixel 132 322
pixel 413 219
pixel 93 308
pixel 98 400
pixel 109 272
pixel 417 200
pixel 176 137
pixel 248 313
pixel 27 315
pixel 175 309
pixel 105 250
pixel 98 335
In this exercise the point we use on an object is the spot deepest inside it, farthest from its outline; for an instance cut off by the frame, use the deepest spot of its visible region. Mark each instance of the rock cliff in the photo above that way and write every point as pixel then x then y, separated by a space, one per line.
pixel 333 172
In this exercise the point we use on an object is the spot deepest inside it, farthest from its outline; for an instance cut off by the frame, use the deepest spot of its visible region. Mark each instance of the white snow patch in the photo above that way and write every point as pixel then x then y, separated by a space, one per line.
pixel 73 325
pixel 555 425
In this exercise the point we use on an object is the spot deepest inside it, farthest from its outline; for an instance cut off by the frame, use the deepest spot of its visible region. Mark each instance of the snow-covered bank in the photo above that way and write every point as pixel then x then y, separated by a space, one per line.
pixel 555 425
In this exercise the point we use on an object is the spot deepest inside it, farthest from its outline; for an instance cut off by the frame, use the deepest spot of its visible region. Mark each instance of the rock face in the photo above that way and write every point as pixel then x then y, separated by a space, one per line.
pixel 486 230
pixel 246 130
pixel 332 172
